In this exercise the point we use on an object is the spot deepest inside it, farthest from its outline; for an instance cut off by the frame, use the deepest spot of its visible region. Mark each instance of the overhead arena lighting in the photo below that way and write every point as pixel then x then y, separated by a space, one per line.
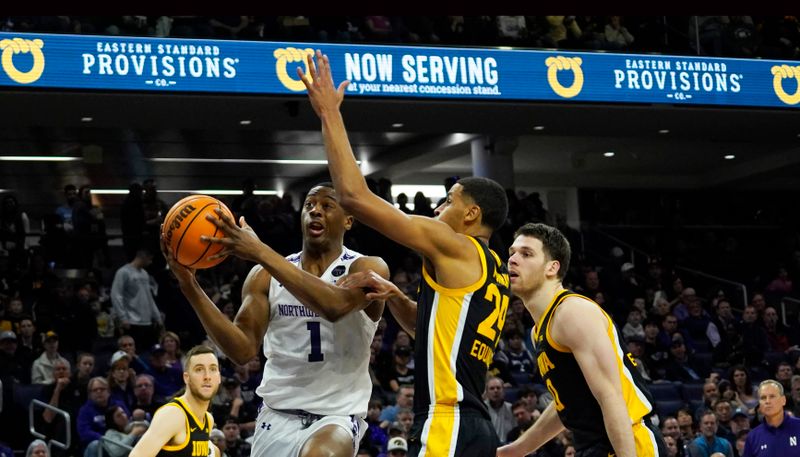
pixel 272 161
pixel 184 191
pixel 39 158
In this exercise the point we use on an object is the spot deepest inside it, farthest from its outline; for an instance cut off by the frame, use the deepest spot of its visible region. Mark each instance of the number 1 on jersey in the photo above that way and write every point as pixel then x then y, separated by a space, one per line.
pixel 316 354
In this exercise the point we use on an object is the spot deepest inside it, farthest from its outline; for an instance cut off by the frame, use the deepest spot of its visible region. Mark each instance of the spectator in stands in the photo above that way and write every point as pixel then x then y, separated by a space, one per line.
pixel 42 369
pixel 654 354
pixel 709 441
pixel 563 32
pixel 724 315
pixel 782 284
pixel 511 30
pixel 10 367
pixel 524 420
pixel 376 435
pixel 700 327
pixel 517 357
pixel 217 437
pixel 91 416
pixel 740 381
pixel 37 448
pixel 759 303
pixel 117 431
pixel 795 395
pixel 64 212
pixel 635 347
pixel 398 372
pixel 127 344
pixel 172 346
pixel 404 399
pixel 740 421
pixel 783 374
pixel 228 402
pixel 132 294
pixel 661 306
pixel 710 395
pixel 235 445
pixel 531 398
pixel 670 429
pixel 754 337
pixel 168 380
pixel 633 324
pixel 121 379
pixel 84 368
pixel 777 333
pixel 681 366
pixel 724 412
pixel 405 416
pixel 14 228
pixel 686 425
pixel 144 390
pixel 616 35
pixel 681 309
pixel 499 409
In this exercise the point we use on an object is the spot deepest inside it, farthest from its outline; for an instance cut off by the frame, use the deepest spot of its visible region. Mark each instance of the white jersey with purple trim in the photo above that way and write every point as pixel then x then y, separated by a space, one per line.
pixel 313 364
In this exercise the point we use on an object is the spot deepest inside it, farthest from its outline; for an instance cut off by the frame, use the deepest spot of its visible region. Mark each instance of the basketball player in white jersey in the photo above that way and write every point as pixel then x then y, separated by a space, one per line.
pixel 316 335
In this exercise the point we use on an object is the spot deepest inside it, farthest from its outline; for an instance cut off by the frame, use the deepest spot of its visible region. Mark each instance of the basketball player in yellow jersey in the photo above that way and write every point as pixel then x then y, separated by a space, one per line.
pixel 181 427
pixel 464 293
pixel 597 391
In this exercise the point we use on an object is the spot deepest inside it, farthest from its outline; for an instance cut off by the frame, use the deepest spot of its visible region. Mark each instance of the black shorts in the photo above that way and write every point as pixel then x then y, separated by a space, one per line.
pixel 475 438
pixel 649 443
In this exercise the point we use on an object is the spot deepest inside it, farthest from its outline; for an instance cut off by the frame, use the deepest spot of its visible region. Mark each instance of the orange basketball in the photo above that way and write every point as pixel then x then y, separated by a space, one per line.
pixel 186 223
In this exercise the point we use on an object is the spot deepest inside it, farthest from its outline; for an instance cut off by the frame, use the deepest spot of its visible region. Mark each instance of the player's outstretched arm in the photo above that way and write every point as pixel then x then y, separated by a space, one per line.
pixel 239 340
pixel 581 326
pixel 329 300
pixel 378 287
pixel 543 430
pixel 433 238
pixel 167 422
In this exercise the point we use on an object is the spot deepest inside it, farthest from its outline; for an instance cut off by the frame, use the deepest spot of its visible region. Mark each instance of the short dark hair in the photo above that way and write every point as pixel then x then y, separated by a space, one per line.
pixel 490 197
pixel 197 350
pixel 327 184
pixel 519 404
pixel 554 243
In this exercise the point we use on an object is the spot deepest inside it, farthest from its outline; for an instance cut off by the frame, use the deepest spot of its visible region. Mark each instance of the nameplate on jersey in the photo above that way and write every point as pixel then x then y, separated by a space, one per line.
pixel 295 311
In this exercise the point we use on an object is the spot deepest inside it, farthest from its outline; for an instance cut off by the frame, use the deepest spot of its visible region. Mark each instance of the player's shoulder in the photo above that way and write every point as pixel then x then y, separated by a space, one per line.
pixel 577 310
pixel 168 411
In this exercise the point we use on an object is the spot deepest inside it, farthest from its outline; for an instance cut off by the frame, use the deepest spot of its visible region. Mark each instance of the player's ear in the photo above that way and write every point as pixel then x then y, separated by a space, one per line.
pixel 472 214
pixel 348 222
pixel 553 267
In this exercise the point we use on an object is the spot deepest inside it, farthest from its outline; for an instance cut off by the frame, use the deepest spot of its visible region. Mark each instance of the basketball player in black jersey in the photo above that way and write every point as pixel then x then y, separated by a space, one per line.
pixel 464 293
pixel 597 392
pixel 181 427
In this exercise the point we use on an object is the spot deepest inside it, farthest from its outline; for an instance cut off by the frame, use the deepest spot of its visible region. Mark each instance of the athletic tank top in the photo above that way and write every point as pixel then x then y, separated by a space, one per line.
pixel 197 434
pixel 313 364
pixel 457 334
pixel 576 406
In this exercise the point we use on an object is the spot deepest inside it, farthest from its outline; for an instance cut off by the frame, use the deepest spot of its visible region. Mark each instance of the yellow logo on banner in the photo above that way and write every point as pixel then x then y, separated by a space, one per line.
pixel 557 63
pixel 781 72
pixel 285 56
pixel 17 46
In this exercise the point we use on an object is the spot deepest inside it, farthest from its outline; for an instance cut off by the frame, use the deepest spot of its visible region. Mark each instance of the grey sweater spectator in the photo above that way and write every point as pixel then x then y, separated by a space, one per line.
pixel 132 293
pixel 500 412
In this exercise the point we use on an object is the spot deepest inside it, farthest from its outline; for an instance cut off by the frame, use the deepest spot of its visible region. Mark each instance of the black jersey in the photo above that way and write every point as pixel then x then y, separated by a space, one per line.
pixel 457 333
pixel 197 434
pixel 577 408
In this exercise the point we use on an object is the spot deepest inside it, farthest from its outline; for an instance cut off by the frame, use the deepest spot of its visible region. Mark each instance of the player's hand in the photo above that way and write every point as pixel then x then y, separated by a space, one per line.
pixel 375 286
pixel 239 241
pixel 184 275
pixel 324 96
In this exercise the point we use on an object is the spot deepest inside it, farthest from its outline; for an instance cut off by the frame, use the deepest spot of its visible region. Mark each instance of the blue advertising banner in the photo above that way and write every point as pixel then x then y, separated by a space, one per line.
pixel 175 65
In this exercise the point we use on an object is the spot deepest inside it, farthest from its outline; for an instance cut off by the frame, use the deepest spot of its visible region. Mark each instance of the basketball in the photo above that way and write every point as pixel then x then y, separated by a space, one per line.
pixel 186 223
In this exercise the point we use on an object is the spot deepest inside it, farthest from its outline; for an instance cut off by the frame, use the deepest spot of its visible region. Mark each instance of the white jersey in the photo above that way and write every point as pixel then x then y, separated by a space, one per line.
pixel 313 364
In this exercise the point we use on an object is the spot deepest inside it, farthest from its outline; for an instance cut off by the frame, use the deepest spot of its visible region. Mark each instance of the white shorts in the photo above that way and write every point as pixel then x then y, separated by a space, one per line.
pixel 279 434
